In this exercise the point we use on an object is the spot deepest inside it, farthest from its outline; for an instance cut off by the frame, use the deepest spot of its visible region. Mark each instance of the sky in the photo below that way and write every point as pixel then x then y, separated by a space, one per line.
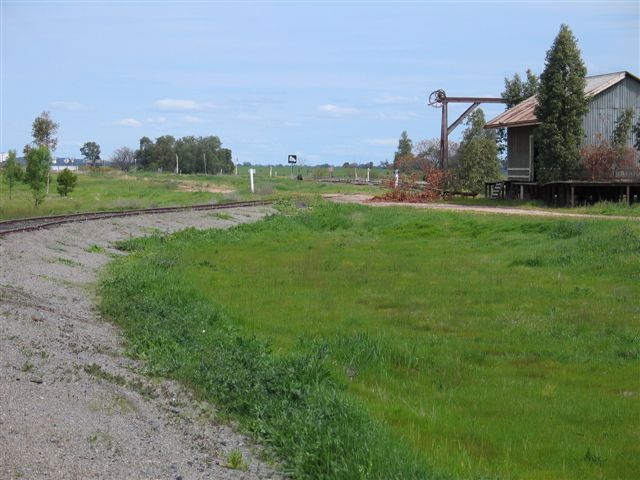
pixel 333 82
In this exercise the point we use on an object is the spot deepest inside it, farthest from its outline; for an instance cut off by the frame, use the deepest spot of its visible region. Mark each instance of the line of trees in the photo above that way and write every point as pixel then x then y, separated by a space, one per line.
pixel 195 154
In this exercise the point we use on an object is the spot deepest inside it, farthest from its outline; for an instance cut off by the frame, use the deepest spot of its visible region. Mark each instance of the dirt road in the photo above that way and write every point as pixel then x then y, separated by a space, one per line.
pixel 366 199
pixel 72 405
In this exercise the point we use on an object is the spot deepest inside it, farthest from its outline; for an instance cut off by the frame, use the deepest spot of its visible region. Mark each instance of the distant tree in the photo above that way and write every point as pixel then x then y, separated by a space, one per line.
pixel 123 159
pixel 67 181
pixel 562 105
pixel 37 171
pixel 515 91
pixel 623 127
pixel 91 152
pixel 427 153
pixel 145 154
pixel 477 154
pixel 405 148
pixel 44 130
pixel 636 132
pixel 13 172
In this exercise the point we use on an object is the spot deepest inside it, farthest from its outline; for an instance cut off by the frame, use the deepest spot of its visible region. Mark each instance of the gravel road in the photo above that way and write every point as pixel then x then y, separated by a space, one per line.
pixel 366 200
pixel 72 405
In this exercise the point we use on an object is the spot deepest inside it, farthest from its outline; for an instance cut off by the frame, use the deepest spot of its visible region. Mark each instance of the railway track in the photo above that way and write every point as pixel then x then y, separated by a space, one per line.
pixel 37 223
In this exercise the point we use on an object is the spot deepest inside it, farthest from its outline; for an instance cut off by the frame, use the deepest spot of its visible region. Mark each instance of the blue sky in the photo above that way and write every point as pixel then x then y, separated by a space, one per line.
pixel 331 81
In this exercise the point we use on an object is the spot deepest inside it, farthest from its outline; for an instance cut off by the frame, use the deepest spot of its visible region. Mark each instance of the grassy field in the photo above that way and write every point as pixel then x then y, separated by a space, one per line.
pixel 117 191
pixel 402 342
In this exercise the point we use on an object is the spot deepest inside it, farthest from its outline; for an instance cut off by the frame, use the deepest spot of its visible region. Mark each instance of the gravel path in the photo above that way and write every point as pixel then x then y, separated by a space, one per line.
pixel 71 404
pixel 366 199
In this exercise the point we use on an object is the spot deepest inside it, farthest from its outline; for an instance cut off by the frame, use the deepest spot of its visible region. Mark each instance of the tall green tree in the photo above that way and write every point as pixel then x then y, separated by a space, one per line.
pixel 37 172
pixel 561 107
pixel 515 91
pixel 91 152
pixel 13 172
pixel 405 149
pixel 477 154
pixel 44 130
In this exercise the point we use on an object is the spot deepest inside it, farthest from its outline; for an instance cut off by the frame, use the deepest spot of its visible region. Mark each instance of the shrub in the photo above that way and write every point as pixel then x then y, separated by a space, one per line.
pixel 66 182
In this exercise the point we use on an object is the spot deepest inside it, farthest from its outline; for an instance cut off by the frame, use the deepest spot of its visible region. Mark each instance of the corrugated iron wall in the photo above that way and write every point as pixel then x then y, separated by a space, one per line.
pixel 606 107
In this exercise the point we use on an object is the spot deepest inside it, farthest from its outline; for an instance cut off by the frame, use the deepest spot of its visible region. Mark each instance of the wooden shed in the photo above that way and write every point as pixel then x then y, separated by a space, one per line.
pixel 609 96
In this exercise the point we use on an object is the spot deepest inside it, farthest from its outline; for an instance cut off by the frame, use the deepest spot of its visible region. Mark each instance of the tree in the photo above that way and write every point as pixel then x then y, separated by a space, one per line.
pixel 636 132
pixel 91 151
pixel 123 159
pixel 561 107
pixel 13 172
pixel 37 171
pixel 621 131
pixel 66 182
pixel 405 147
pixel 43 131
pixel 516 91
pixel 477 154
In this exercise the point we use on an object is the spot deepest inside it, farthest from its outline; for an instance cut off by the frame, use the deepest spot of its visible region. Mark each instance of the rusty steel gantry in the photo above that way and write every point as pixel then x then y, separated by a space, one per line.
pixel 439 99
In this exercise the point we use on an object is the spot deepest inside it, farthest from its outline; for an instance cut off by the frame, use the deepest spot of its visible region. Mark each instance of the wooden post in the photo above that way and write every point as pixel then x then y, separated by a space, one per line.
pixel 444 141
pixel 573 198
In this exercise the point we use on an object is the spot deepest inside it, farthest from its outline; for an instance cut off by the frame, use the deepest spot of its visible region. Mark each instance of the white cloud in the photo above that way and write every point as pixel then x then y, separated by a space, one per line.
pixel 191 119
pixel 176 104
pixel 382 142
pixel 337 110
pixel 157 120
pixel 396 100
pixel 249 116
pixel 129 122
pixel 72 106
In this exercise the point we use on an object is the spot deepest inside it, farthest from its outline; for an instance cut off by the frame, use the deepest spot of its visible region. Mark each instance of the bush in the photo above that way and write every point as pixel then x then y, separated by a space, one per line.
pixel 603 160
pixel 66 182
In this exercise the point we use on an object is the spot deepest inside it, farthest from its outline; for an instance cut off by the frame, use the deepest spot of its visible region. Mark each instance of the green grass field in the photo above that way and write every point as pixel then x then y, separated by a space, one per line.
pixel 116 191
pixel 402 342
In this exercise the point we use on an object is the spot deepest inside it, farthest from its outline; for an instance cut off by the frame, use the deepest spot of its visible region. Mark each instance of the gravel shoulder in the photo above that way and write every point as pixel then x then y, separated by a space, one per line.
pixel 366 199
pixel 72 405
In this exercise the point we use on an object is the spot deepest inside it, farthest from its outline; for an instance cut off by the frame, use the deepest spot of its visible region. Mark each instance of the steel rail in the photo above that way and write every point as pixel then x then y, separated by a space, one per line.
pixel 37 223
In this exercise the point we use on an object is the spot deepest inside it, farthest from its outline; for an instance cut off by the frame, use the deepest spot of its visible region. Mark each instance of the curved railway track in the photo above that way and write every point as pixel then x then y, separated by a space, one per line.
pixel 37 223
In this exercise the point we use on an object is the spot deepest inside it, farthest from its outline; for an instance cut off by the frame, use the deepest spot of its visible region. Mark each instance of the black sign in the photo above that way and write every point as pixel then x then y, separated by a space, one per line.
pixel 293 159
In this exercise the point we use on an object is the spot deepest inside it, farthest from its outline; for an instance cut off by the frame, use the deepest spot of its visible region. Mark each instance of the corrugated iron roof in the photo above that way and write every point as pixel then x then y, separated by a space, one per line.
pixel 523 114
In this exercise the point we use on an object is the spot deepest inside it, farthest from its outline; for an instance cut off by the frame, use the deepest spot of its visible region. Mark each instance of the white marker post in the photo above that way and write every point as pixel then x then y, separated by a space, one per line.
pixel 236 169
pixel 368 172
pixel 252 172
pixel 397 174
pixel 270 172
pixel 177 169
pixel 356 172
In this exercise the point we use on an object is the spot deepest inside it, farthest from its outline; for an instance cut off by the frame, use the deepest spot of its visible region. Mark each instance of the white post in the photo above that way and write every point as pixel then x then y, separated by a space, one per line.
pixel 236 169
pixel 270 171
pixel 397 174
pixel 356 172
pixel 251 173
pixel 177 170
pixel 368 172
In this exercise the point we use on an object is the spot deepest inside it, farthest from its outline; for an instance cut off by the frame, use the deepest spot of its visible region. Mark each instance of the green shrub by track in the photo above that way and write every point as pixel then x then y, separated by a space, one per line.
pixel 402 340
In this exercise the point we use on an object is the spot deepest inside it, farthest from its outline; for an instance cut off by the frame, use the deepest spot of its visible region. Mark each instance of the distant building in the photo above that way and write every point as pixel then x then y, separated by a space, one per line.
pixel 609 96
pixel 60 163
